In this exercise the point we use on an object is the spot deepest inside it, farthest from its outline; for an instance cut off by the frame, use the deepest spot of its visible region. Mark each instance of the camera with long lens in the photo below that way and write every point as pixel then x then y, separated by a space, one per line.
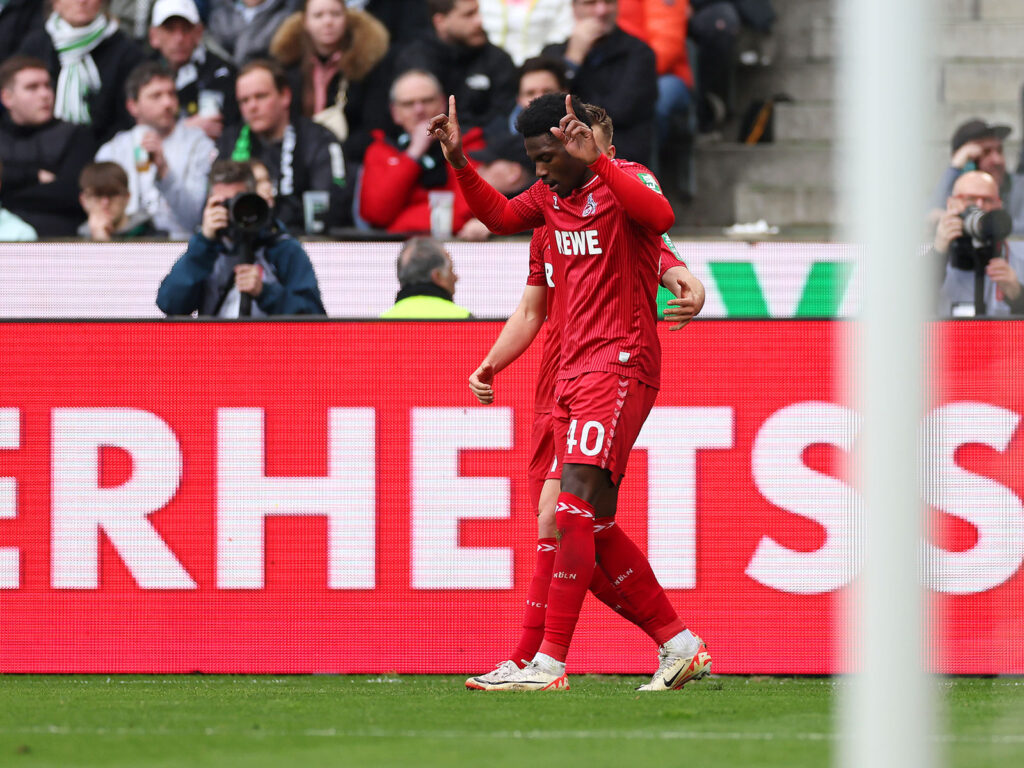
pixel 248 213
pixel 983 230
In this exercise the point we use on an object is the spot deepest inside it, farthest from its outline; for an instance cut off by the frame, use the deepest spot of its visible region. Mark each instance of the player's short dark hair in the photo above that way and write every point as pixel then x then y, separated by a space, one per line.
pixel 545 112
pixel 103 180
pixel 232 172
pixel 546 64
pixel 274 68
pixel 143 75
pixel 444 7
pixel 599 117
pixel 420 256
pixel 10 68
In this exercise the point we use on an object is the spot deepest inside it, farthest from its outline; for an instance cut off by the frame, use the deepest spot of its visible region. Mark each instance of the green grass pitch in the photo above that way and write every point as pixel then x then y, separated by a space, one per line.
pixel 401 720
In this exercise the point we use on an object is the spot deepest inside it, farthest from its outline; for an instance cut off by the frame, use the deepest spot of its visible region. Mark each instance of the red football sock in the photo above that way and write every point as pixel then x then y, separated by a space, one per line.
pixel 574 565
pixel 605 592
pixel 631 576
pixel 536 602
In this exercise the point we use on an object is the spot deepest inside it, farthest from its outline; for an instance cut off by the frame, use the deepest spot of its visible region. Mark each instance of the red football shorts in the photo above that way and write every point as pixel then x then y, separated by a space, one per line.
pixel 598 418
pixel 544 464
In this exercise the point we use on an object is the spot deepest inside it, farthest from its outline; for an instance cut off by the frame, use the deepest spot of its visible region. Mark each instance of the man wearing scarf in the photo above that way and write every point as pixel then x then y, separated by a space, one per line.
pixel 89 58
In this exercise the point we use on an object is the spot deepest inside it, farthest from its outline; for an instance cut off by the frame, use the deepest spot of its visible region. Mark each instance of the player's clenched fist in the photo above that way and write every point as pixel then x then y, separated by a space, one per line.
pixel 481 383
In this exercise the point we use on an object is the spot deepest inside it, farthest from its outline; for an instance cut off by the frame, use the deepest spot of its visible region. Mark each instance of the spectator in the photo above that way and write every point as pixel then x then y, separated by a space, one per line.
pixel 521 29
pixel 426 280
pixel 404 20
pixel 981 278
pixel 213 274
pixel 663 27
pixel 264 186
pixel 205 81
pixel 978 146
pixel 338 70
pixel 614 69
pixel 13 228
pixel 505 165
pixel 167 162
pixel 105 199
pixel 89 57
pixel 304 159
pixel 244 28
pixel 42 155
pixel 403 169
pixel 480 75
pixel 17 19
pixel 537 76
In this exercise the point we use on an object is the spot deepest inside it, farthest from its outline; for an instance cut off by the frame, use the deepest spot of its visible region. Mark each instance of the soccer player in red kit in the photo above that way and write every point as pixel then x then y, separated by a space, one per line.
pixel 604 224
pixel 544 475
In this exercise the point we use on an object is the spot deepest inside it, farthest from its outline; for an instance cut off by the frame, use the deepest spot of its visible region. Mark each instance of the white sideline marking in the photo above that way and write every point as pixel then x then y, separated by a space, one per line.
pixel 381 733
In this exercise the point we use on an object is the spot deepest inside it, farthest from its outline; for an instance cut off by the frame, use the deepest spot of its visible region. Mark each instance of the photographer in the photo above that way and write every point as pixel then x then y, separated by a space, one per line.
pixel 981 274
pixel 242 261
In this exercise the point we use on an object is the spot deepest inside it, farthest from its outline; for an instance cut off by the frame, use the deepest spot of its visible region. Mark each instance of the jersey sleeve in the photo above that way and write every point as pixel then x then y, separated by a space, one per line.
pixel 501 215
pixel 538 242
pixel 668 257
pixel 638 192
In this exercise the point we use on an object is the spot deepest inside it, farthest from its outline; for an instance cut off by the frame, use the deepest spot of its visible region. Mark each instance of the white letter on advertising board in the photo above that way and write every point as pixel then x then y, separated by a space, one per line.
pixel 440 498
pixel 82 508
pixel 10 427
pixel 783 478
pixel 672 437
pixel 993 509
pixel 346 497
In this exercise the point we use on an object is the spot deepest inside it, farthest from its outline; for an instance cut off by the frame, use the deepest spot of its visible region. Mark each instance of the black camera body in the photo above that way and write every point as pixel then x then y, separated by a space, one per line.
pixel 248 213
pixel 983 231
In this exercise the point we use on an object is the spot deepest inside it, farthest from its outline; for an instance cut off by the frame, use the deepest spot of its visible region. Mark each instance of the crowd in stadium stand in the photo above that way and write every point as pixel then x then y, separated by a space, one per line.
pixel 316 91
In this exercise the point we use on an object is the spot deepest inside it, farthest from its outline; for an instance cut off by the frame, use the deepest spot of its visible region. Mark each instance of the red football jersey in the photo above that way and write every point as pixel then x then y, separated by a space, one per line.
pixel 608 263
pixel 541 269
pixel 540 274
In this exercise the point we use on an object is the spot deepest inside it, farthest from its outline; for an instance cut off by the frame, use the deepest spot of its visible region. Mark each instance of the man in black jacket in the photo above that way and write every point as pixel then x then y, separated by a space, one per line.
pixel 606 66
pixel 304 159
pixel 17 19
pixel 205 81
pixel 481 76
pixel 42 156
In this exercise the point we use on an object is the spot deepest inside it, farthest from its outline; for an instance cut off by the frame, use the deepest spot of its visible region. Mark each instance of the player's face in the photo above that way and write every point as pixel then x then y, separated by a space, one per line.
pixel 553 165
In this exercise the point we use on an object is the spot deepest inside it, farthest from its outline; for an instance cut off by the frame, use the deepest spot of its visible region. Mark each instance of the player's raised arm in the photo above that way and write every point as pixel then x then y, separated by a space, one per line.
pixel 449 135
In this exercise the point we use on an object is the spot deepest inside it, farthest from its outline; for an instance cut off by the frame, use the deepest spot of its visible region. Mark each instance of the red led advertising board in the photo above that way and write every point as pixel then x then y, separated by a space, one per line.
pixel 328 497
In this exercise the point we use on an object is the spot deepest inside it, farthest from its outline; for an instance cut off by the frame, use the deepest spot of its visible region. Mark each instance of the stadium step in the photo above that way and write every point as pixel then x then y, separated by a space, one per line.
pixel 816 121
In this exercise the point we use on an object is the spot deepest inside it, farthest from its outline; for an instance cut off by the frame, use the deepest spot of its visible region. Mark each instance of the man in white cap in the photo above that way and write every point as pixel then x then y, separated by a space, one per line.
pixel 205 81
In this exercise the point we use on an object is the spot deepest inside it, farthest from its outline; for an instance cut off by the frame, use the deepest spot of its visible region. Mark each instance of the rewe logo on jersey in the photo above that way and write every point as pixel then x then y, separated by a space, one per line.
pixel 578 243
pixel 591 207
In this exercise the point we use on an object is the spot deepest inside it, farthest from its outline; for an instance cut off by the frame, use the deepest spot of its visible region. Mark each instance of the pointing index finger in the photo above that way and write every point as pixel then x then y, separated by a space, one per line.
pixel 452 114
pixel 568 106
